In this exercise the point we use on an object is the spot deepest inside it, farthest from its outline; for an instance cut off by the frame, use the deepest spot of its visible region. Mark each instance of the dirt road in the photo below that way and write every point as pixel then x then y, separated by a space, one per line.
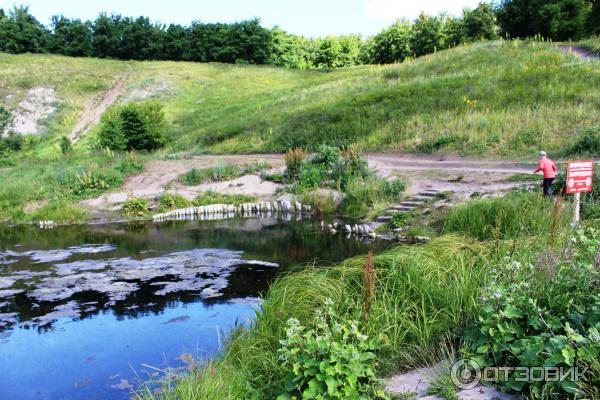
pixel 446 173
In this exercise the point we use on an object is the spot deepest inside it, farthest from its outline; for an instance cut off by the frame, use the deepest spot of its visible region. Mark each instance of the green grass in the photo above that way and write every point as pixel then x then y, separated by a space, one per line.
pixel 494 99
pixel 591 44
pixel 421 294
pixel 69 178
pixel 219 173
pixel 502 98
pixel 210 197
pixel 518 214
pixel 522 177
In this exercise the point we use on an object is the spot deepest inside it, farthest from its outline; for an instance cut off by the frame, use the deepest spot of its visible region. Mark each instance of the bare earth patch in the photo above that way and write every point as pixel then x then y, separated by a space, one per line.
pixel 39 103
pixel 422 172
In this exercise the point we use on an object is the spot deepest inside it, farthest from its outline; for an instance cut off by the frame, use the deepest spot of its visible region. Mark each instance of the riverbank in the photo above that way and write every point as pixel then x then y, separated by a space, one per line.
pixel 419 302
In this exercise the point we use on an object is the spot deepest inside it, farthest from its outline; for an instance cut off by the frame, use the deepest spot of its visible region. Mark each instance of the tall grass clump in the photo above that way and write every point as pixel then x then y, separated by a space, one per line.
pixel 514 215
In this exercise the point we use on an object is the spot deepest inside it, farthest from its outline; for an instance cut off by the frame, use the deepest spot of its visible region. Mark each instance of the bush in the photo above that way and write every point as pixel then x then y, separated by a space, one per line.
pixel 12 142
pixel 92 182
pixel 332 360
pixel 135 126
pixel 294 158
pixel 311 176
pixel 135 208
pixel 207 198
pixel 219 173
pixel 130 164
pixel 541 315
pixel 170 201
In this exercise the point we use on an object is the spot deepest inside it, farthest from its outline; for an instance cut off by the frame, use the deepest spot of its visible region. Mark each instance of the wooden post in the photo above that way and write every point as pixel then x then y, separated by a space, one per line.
pixel 577 205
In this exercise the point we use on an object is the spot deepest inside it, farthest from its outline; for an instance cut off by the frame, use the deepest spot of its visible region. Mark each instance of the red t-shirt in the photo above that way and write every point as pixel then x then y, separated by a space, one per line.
pixel 547 167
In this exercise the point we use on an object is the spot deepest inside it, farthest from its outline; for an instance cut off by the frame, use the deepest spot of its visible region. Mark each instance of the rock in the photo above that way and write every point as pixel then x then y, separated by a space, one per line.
pixel 333 231
pixel 347 228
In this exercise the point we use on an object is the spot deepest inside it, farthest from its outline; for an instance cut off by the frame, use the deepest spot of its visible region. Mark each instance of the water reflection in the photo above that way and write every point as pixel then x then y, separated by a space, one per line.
pixel 83 309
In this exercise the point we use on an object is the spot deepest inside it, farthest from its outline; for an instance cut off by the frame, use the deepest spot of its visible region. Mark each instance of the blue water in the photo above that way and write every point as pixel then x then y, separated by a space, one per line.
pixel 88 312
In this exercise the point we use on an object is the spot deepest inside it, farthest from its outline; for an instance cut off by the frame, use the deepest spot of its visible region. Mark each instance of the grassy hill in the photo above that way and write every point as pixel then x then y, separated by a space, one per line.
pixel 495 98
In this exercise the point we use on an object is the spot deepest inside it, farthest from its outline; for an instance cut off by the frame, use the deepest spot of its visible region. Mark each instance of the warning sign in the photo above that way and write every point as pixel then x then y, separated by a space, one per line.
pixel 579 176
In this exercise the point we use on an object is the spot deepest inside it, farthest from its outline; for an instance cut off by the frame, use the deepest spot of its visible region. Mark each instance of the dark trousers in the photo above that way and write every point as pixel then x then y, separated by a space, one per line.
pixel 548 186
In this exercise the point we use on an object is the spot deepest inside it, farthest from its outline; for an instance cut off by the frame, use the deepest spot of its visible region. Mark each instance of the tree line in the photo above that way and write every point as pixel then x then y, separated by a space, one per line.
pixel 247 42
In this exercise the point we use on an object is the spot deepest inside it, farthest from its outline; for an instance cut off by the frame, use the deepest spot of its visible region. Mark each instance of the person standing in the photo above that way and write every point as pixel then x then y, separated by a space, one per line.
pixel 549 169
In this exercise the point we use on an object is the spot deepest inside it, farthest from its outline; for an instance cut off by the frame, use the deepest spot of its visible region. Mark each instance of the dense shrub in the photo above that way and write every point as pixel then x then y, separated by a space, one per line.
pixel 135 126
pixel 587 143
pixel 12 142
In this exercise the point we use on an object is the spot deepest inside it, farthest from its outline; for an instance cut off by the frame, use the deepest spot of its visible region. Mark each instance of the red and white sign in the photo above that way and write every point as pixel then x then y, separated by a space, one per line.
pixel 579 176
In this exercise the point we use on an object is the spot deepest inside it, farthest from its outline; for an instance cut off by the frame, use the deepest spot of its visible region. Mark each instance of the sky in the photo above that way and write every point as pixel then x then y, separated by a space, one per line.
pixel 305 17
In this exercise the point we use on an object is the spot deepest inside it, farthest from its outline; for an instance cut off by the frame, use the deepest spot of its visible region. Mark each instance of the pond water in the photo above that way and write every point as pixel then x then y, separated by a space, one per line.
pixel 86 312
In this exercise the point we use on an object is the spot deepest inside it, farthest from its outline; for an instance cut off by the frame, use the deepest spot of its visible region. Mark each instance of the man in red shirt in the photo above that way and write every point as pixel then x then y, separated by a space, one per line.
pixel 549 169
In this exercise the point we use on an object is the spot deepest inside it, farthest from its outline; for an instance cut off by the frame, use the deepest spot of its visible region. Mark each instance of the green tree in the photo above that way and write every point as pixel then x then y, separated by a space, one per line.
pixel 593 25
pixel 106 36
pixel 480 23
pixel 554 19
pixel 288 50
pixel 71 37
pixel 428 34
pixel 455 31
pixel 20 32
pixel 392 44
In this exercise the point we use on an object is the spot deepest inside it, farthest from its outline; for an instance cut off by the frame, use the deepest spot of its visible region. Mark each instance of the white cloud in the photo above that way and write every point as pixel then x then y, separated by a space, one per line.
pixel 390 10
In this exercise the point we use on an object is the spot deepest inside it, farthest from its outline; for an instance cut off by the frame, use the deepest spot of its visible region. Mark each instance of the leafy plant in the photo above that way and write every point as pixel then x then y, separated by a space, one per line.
pixel 136 208
pixel 331 360
pixel 546 314
pixel 311 176
pixel 130 164
pixel 170 201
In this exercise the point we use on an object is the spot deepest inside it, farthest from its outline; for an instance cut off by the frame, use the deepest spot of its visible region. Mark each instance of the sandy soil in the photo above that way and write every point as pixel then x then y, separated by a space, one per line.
pixel 39 103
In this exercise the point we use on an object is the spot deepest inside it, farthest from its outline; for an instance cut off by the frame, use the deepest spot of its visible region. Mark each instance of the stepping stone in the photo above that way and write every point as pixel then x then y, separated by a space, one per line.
pixel 411 203
pixel 384 218
pixel 402 208
pixel 419 198
pixel 427 194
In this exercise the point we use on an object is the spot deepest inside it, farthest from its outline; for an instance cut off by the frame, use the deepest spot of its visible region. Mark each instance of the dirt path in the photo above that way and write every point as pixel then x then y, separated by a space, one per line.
pixel 577 51
pixel 95 108
pixel 443 173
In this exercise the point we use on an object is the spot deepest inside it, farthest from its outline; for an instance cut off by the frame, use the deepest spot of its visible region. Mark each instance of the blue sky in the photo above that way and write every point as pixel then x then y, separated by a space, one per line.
pixel 307 17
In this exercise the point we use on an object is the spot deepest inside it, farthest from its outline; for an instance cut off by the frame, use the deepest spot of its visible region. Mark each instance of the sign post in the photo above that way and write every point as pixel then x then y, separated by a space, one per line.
pixel 580 175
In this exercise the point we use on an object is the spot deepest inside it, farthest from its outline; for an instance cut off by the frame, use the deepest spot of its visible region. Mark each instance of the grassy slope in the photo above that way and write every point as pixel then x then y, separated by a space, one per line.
pixel 498 98
pixel 501 98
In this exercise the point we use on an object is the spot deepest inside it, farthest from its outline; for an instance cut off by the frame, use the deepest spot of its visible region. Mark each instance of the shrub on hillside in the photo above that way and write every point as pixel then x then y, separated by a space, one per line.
pixel 170 201
pixel 135 126
pixel 65 145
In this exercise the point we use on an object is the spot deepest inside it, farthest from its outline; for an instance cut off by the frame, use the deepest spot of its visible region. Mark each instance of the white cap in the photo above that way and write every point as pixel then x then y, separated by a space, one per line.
pixel 542 153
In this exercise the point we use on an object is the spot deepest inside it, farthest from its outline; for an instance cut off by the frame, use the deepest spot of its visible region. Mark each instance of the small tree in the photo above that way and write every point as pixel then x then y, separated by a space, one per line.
pixel 136 126
pixel 480 23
